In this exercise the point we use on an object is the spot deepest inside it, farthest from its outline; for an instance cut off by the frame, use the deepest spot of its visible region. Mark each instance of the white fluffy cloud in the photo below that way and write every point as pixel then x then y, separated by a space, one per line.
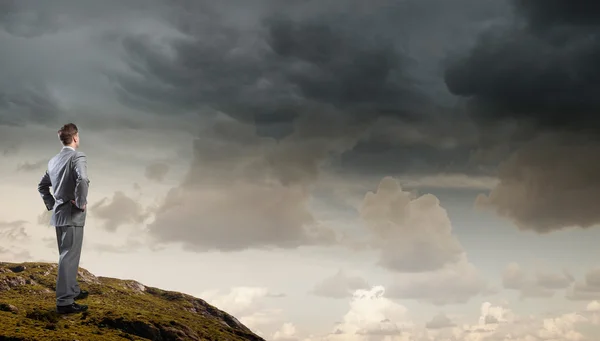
pixel 287 332
pixel 414 234
pixel 247 304
pixel 593 306
pixel 372 317
pixel 498 323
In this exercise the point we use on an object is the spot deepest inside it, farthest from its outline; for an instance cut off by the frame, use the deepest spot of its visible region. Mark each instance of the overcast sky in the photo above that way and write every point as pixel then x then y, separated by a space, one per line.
pixel 389 170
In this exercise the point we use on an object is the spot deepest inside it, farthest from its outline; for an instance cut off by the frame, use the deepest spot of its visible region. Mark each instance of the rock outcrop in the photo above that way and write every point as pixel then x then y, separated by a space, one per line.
pixel 119 310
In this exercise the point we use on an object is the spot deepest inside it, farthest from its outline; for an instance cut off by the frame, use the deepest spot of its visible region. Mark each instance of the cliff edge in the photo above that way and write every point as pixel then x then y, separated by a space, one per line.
pixel 118 310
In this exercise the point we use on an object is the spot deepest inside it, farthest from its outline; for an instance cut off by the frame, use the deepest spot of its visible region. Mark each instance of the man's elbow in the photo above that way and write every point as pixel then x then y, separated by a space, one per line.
pixel 83 179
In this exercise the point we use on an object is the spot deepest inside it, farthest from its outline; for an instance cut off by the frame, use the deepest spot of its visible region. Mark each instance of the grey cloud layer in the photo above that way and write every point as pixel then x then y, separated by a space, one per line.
pixel 539 71
pixel 271 66
pixel 377 70
pixel 541 68
pixel 540 285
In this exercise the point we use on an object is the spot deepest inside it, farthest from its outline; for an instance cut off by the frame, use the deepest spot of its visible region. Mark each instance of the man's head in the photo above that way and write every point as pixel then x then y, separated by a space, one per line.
pixel 69 135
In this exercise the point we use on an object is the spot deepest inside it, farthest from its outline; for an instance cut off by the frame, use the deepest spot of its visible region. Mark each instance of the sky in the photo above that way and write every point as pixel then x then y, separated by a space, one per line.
pixel 391 170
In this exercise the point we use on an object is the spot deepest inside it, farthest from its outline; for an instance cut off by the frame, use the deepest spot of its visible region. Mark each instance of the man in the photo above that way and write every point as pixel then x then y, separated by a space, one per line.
pixel 67 175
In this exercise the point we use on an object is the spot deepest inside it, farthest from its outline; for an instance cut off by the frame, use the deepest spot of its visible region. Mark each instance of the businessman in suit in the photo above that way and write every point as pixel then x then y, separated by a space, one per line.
pixel 67 175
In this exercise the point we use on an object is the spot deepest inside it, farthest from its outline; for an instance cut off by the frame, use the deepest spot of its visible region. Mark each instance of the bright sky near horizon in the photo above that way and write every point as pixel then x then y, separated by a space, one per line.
pixel 323 170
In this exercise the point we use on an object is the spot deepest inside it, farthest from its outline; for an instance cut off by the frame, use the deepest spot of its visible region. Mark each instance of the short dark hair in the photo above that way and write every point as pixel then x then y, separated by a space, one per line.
pixel 66 133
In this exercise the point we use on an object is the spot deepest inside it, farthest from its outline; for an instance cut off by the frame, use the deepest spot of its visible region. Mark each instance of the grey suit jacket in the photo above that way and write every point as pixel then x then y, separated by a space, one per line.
pixel 67 175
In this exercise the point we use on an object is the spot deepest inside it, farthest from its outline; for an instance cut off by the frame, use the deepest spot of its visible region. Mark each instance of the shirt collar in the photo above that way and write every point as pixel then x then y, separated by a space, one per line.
pixel 68 147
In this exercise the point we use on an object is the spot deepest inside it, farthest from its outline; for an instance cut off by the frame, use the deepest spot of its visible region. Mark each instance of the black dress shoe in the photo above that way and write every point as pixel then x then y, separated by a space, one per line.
pixel 71 308
pixel 83 294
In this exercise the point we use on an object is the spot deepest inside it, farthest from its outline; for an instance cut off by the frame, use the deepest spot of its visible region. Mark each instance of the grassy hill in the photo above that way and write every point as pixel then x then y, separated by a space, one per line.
pixel 118 310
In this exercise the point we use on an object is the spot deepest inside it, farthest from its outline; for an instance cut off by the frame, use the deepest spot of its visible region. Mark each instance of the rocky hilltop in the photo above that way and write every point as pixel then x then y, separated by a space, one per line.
pixel 119 310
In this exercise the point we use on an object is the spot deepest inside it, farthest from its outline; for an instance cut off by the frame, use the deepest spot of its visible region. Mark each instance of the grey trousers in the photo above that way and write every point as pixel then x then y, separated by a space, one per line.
pixel 70 240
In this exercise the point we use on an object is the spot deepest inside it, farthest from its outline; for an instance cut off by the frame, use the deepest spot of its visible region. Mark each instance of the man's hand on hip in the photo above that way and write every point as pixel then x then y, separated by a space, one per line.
pixel 81 208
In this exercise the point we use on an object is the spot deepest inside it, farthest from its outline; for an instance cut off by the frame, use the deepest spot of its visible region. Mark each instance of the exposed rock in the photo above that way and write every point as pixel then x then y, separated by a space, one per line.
pixel 7 283
pixel 8 308
pixel 18 268
pixel 134 286
pixel 87 277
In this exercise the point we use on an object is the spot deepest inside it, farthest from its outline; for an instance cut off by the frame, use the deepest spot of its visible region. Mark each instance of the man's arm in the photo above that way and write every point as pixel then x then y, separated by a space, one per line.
pixel 82 181
pixel 44 189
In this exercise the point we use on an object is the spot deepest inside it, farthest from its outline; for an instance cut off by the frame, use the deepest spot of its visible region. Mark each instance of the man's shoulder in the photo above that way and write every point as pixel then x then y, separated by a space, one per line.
pixel 79 154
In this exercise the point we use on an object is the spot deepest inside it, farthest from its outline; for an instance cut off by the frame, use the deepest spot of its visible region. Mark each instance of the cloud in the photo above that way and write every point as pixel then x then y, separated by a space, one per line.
pixel 548 185
pixel 10 149
pixel 271 64
pixel 286 333
pixel 29 167
pixel 588 289
pixel 247 191
pixel 413 233
pixel 44 217
pixel 268 67
pixel 454 284
pixel 137 65
pixel 540 285
pixel 14 254
pixel 505 76
pixel 535 71
pixel 13 233
pixel 13 230
pixel 26 20
pixel 500 323
pixel 130 246
pixel 371 316
pixel 593 306
pixel 440 321
pixel 340 285
pixel 156 171
pixel 494 323
pixel 120 210
pixel 20 104
pixel 248 305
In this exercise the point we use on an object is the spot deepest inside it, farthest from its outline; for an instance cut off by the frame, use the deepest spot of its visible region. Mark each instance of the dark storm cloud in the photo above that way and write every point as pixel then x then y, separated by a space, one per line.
pixel 20 105
pixel 265 62
pixel 34 18
pixel 541 69
pixel 272 66
pixel 544 13
pixel 539 73
pixel 272 62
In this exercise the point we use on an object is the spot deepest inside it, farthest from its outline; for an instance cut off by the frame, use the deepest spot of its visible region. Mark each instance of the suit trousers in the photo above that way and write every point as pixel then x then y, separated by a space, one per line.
pixel 70 240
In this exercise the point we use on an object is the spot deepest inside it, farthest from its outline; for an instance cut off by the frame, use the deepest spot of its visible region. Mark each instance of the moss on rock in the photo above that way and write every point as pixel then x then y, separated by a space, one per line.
pixel 118 310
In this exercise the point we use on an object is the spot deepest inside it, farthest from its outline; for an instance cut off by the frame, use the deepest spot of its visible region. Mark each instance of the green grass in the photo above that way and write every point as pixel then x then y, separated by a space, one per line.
pixel 118 310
